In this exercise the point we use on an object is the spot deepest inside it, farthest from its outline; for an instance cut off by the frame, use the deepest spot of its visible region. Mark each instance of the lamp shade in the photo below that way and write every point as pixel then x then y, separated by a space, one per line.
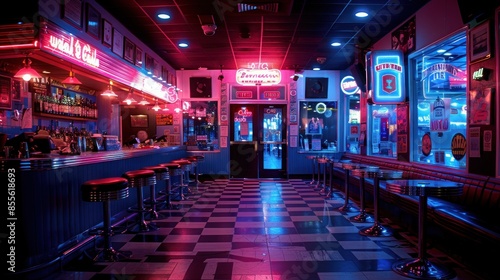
pixel 156 107
pixel 26 73
pixel 71 80
pixel 143 101
pixel 109 92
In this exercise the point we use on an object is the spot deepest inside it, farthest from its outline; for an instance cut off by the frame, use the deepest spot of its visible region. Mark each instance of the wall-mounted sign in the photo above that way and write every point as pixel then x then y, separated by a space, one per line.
pixel 458 146
pixel 70 47
pixel 261 77
pixel 272 93
pixel 387 76
pixel 349 86
pixel 440 78
pixel 481 74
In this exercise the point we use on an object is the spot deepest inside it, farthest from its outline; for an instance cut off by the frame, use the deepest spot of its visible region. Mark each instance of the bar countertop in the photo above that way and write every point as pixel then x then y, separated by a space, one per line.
pixel 56 160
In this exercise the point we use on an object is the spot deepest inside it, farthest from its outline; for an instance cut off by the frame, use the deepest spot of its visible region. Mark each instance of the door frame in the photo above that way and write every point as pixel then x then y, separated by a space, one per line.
pixel 250 164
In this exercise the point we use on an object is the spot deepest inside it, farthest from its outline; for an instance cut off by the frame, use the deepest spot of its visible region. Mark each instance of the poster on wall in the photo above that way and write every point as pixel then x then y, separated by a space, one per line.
pixel 480 102
pixel 440 114
pixel 403 38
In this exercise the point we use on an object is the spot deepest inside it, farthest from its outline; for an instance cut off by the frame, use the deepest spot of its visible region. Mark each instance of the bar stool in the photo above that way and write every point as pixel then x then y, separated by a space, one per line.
pixel 313 161
pixel 199 158
pixel 105 190
pixel 322 164
pixel 162 174
pixel 185 167
pixel 194 168
pixel 139 179
pixel 174 170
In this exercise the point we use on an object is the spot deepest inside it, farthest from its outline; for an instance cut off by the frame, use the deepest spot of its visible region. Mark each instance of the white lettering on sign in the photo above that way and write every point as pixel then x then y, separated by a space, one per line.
pixel 263 77
pixel 243 94
pixel 391 66
pixel 75 48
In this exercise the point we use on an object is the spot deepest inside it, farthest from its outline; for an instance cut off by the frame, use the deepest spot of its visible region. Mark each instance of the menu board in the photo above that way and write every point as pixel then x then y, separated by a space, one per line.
pixel 38 88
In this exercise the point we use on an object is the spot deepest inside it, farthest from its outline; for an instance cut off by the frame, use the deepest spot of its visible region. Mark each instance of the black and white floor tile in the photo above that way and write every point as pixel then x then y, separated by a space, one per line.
pixel 257 229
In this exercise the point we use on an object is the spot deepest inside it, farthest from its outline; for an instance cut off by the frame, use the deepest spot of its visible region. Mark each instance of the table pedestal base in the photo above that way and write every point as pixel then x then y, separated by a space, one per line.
pixel 422 269
pixel 376 230
pixel 347 208
pixel 362 217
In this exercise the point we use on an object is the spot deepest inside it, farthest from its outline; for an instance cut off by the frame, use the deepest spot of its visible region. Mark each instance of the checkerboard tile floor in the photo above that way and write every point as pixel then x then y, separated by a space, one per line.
pixel 257 229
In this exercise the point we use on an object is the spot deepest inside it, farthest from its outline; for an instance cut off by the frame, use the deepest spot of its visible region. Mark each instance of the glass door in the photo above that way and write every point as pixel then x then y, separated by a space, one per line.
pixel 272 141
pixel 258 141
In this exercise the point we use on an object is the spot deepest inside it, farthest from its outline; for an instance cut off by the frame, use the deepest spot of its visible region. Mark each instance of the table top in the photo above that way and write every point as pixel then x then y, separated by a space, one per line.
pixel 377 173
pixel 347 165
pixel 424 187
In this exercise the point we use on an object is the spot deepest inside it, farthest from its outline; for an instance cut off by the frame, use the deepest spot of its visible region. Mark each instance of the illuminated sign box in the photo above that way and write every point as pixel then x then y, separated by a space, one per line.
pixel 387 76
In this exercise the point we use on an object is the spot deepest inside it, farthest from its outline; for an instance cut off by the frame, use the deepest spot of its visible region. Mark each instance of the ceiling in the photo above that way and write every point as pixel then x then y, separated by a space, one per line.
pixel 285 34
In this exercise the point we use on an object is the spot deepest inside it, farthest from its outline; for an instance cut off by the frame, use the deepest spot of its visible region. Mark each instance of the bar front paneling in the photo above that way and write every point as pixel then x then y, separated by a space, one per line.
pixel 51 215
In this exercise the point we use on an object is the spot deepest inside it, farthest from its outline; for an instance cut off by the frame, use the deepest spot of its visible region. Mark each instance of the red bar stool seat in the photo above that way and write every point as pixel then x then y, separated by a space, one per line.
pixel 139 179
pixel 106 190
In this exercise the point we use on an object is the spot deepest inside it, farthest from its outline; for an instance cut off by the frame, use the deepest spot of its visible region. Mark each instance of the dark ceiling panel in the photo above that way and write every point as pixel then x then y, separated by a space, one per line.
pixel 295 36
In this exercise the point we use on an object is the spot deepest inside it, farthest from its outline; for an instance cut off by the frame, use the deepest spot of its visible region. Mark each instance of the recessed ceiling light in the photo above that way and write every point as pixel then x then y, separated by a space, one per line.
pixel 316 68
pixel 441 51
pixel 336 44
pixel 361 14
pixel 447 53
pixel 183 45
pixel 163 16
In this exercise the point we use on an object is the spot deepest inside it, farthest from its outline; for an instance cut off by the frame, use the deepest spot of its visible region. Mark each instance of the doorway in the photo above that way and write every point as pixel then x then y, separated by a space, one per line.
pixel 258 147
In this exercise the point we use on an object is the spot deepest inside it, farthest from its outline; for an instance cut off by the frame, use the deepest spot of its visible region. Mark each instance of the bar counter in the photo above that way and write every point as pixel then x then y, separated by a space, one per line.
pixel 49 216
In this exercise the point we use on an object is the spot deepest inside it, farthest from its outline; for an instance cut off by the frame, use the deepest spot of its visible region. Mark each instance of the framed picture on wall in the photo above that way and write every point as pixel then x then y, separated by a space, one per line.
pixel 5 93
pixel 107 33
pixel 117 42
pixel 316 88
pixel 16 90
pixel 138 56
pixel 139 121
pixel 71 11
pixel 93 23
pixel 480 45
pixel 128 50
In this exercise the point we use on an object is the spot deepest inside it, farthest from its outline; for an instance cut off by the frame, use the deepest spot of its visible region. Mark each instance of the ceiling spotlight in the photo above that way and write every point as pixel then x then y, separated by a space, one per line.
pixel 209 29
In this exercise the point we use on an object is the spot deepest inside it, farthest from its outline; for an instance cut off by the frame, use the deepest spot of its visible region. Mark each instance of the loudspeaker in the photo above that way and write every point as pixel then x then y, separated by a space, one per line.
pixel 476 10
pixel 359 74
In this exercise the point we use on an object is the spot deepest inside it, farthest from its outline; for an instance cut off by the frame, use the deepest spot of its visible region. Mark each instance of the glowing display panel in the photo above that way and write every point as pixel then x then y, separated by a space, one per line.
pixel 388 76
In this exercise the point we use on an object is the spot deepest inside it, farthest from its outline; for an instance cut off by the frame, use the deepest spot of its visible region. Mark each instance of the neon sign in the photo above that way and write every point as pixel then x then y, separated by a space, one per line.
pixel 72 47
pixel 348 85
pixel 387 76
pixel 261 77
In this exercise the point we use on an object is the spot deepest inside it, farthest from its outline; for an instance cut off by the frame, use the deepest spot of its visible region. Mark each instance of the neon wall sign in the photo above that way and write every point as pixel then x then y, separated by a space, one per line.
pixel 348 85
pixel 258 74
pixel 71 47
pixel 387 73
pixel 443 78
pixel 242 115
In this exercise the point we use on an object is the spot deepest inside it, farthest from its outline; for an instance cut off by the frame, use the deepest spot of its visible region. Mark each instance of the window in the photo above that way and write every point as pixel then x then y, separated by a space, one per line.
pixel 438 100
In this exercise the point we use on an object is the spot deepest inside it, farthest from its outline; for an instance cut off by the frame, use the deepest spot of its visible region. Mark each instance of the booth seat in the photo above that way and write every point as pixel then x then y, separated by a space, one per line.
pixel 468 225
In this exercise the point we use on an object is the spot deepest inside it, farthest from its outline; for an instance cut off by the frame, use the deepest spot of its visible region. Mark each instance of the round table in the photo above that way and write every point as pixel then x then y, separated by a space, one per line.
pixel 378 230
pixel 421 267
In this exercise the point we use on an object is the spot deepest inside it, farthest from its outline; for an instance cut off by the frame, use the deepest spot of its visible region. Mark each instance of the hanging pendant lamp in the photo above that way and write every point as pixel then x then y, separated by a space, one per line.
pixel 26 73
pixel 109 92
pixel 71 79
